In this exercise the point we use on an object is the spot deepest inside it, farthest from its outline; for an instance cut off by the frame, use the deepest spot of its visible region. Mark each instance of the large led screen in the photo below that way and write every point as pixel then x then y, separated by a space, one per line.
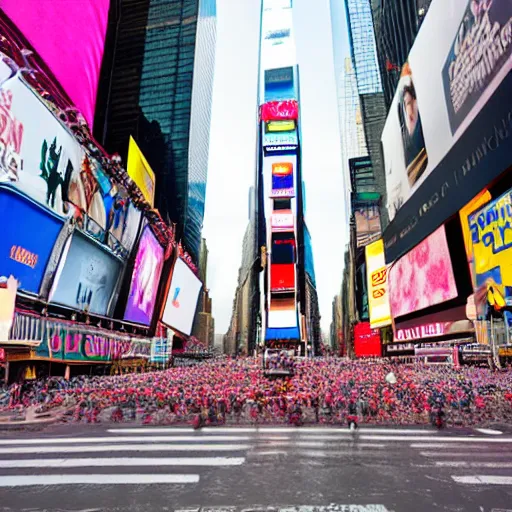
pixel 447 132
pixel 42 159
pixel 282 313
pixel 282 277
pixel 181 304
pixel 278 175
pixel 378 295
pixel 87 277
pixel 145 279
pixel 29 233
pixel 423 277
pixel 70 38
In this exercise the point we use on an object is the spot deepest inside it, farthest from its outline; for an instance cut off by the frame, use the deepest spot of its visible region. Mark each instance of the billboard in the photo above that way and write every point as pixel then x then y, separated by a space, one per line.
pixel 433 330
pixel 145 279
pixel 29 233
pixel 368 228
pixel 283 110
pixel 282 277
pixel 378 296
pixel 181 304
pixel 140 172
pixel 70 39
pixel 282 221
pixel 278 172
pixel 282 313
pixel 492 251
pixel 366 341
pixel 283 250
pixel 87 276
pixel 423 277
pixel 448 129
pixel 39 157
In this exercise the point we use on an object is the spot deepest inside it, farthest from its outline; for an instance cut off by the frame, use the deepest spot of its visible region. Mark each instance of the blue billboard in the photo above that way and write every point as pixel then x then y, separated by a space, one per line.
pixel 29 233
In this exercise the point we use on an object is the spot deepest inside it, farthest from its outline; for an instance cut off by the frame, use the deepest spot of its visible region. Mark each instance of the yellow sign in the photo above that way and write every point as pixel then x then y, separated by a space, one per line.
pixel 378 297
pixel 477 202
pixel 140 172
pixel 280 126
pixel 491 239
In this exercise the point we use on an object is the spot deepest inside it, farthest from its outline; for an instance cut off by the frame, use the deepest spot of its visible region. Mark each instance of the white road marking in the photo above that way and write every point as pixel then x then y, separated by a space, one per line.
pixel 463 464
pixel 483 479
pixel 122 439
pixel 127 448
pixel 454 446
pixel 123 461
pixel 489 431
pixel 333 453
pixel 120 479
pixel 229 429
pixel 467 454
pixel 151 430
pixel 438 439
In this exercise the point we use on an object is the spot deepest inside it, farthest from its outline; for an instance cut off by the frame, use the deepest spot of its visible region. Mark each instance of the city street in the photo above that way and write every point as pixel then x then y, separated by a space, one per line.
pixel 79 468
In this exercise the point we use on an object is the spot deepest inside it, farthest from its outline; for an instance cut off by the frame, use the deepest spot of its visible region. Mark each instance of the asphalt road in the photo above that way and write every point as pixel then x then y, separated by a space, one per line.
pixel 93 469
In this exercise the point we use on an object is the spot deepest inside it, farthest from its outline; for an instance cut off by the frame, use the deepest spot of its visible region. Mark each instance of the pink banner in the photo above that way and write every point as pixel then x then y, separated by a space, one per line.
pixel 69 35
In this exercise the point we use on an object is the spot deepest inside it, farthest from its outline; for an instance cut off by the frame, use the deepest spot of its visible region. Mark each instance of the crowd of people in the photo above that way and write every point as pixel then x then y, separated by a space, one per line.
pixel 321 390
pixel 279 360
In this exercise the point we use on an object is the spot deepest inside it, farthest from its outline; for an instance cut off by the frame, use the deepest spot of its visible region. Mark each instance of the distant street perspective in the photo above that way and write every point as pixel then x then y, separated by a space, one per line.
pixel 256 256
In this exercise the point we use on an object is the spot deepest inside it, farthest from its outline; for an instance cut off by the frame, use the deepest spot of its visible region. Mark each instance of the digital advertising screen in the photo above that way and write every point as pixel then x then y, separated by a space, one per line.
pixel 282 277
pixel 423 277
pixel 87 277
pixel 70 39
pixel 181 303
pixel 29 233
pixel 145 279
pixel 140 172
pixel 278 172
pixel 282 313
pixel 443 137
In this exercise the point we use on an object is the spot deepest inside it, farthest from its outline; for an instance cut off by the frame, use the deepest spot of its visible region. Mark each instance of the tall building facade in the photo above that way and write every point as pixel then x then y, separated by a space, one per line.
pixel 396 27
pixel 156 85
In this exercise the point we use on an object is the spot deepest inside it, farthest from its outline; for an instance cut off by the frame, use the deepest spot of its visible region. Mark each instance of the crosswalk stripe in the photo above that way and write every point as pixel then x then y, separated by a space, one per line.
pixel 464 464
pixel 122 439
pixel 489 431
pixel 438 439
pixel 472 454
pixel 122 461
pixel 100 479
pixel 127 448
pixel 150 430
pixel 312 430
pixel 483 479
pixel 454 445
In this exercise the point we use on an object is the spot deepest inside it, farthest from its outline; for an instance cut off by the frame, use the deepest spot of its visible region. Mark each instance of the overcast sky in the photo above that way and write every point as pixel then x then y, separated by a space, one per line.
pixel 233 148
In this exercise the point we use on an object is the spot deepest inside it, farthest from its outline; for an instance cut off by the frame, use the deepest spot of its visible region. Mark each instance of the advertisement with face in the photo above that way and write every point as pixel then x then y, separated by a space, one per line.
pixel 180 307
pixel 87 277
pixel 423 277
pixel 145 279
pixel 29 233
pixel 447 134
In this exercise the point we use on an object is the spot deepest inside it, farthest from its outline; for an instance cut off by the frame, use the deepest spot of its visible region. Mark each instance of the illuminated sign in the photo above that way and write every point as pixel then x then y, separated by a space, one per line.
pixel 282 169
pixel 279 110
pixel 279 76
pixel 280 148
pixel 279 126
pixel 282 221
pixel 283 192
pixel 432 330
pixel 29 233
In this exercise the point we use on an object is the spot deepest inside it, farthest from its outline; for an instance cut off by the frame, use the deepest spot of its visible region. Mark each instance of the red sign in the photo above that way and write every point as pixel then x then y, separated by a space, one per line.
pixel 367 341
pixel 282 277
pixel 2 354
pixel 279 110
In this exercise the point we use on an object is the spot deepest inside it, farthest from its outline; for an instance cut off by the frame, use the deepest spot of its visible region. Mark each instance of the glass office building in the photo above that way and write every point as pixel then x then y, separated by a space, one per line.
pixel 149 90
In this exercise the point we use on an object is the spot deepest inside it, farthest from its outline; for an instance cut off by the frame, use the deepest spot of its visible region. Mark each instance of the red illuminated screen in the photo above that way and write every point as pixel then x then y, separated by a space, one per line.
pixel 423 277
pixel 366 341
pixel 282 277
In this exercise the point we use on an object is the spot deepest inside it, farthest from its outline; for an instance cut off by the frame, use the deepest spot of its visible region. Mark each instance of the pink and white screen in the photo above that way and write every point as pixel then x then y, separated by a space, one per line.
pixel 423 277
pixel 69 35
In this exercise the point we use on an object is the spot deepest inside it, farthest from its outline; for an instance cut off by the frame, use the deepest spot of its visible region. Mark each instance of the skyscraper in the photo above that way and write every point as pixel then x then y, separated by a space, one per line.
pixel 396 26
pixel 156 85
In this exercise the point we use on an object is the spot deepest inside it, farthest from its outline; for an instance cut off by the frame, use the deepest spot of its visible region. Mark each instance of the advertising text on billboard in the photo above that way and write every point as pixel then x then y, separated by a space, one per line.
pixel 378 295
pixel 29 234
pixel 282 277
pixel 140 172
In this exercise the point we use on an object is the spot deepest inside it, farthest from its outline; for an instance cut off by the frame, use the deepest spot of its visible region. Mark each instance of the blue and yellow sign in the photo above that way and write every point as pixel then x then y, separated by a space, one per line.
pixel 491 238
